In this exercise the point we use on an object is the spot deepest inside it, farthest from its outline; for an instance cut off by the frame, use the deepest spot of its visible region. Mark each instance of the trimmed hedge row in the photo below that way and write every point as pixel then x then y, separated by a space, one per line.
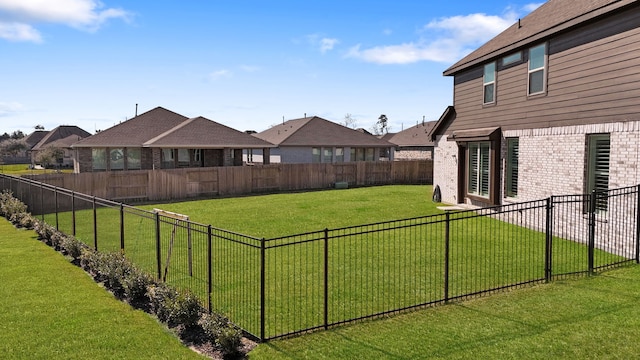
pixel 179 309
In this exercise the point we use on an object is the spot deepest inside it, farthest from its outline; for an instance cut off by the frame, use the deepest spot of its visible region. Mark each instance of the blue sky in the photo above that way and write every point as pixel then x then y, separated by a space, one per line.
pixel 243 63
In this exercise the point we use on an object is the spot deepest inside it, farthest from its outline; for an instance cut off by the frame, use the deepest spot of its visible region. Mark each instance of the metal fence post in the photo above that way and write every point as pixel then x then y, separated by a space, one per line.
pixel 42 201
pixel 638 224
pixel 262 288
pixel 592 229
pixel 548 249
pixel 446 256
pixel 55 196
pixel 209 272
pixel 122 227
pixel 326 278
pixel 95 224
pixel 158 258
pixel 73 213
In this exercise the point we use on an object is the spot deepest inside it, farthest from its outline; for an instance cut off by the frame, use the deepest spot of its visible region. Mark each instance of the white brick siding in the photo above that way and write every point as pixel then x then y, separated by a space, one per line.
pixel 552 161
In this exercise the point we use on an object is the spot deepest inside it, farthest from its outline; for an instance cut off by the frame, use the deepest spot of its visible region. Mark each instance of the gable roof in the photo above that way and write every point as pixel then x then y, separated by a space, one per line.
pixel 69 133
pixel 316 131
pixel 135 131
pixel 34 138
pixel 417 135
pixel 203 133
pixel 551 18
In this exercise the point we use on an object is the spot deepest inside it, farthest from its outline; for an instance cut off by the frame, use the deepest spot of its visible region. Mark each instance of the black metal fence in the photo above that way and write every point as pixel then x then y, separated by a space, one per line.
pixel 292 284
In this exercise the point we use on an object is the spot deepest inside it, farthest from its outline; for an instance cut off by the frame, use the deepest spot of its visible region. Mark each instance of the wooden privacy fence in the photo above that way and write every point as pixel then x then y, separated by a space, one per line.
pixel 173 184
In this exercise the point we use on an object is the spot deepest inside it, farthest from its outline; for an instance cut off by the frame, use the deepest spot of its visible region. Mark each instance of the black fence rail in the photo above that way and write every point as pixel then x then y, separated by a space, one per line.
pixel 299 283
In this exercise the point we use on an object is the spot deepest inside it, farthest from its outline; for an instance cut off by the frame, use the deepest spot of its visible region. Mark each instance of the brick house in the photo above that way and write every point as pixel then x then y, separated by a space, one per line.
pixel 162 139
pixel 62 138
pixel 316 140
pixel 549 106
pixel 413 143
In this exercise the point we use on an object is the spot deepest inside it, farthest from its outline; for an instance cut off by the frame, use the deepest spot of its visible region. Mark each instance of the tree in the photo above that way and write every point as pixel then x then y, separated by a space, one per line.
pixel 17 135
pixel 11 147
pixel 380 127
pixel 49 156
pixel 349 121
pixel 39 127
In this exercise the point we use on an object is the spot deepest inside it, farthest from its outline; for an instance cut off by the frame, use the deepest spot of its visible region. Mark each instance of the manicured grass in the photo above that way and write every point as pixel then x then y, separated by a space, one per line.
pixel 23 169
pixel 51 309
pixel 589 318
pixel 370 269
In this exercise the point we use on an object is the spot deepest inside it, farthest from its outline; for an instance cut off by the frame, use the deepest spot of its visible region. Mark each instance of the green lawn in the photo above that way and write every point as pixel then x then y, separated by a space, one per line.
pixel 587 318
pixel 23 169
pixel 371 269
pixel 51 309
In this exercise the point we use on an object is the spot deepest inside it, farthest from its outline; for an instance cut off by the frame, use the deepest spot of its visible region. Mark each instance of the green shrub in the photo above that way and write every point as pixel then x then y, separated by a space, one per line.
pixel 222 334
pixel 135 285
pixel 72 247
pixel 27 221
pixel 161 298
pixel 175 307
pixel 113 268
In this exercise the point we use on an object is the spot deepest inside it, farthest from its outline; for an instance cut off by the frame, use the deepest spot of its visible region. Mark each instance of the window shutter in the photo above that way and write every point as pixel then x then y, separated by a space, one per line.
pixel 599 156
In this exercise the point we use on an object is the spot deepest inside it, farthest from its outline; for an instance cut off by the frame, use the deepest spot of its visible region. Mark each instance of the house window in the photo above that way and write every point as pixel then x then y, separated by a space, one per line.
pixel 598 167
pixel 99 159
pixel 513 58
pixel 183 157
pixel 537 69
pixel 197 156
pixel 133 159
pixel 116 159
pixel 339 154
pixel 327 155
pixel 512 167
pixel 370 154
pixel 478 182
pixel 168 159
pixel 315 155
pixel 489 81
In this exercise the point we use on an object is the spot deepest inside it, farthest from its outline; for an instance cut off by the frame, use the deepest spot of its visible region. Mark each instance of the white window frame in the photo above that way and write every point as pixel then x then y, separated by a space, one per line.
pixel 489 83
pixel 511 167
pixel 531 71
pixel 482 169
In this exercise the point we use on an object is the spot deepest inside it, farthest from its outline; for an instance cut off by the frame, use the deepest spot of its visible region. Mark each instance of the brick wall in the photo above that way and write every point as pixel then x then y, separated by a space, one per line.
pixel 552 161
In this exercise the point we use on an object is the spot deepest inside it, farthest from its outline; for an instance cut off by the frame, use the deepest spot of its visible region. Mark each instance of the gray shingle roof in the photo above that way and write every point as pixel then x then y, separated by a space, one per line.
pixel 34 138
pixel 135 131
pixel 551 18
pixel 203 133
pixel 70 133
pixel 316 131
pixel 417 135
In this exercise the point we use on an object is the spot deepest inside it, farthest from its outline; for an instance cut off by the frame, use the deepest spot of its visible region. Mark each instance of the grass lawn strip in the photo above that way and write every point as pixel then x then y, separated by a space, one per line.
pixel 589 318
pixel 51 309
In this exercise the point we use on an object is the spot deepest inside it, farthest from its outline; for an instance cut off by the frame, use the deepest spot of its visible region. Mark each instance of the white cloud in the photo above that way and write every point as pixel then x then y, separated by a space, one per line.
pixel 323 44
pixel 219 74
pixel 19 32
pixel 442 40
pixel 10 108
pixel 87 15
pixel 532 6
pixel 249 68
pixel 327 44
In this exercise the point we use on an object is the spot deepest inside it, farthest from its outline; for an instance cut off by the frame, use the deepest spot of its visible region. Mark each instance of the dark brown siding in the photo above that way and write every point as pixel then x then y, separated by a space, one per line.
pixel 591 79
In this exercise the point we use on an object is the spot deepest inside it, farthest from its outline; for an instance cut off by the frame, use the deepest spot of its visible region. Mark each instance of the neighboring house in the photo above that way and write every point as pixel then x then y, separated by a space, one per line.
pixel 549 106
pixel 413 143
pixel 162 139
pixel 316 140
pixel 60 138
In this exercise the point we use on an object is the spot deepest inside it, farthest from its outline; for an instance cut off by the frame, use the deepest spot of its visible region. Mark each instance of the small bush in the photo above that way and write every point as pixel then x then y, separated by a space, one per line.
pixel 135 285
pixel 161 299
pixel 222 334
pixel 113 268
pixel 72 247
pixel 27 221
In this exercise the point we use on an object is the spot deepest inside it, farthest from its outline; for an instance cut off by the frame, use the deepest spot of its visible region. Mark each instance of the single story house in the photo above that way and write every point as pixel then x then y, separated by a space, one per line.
pixel 316 140
pixel 162 139
pixel 413 143
pixel 60 138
